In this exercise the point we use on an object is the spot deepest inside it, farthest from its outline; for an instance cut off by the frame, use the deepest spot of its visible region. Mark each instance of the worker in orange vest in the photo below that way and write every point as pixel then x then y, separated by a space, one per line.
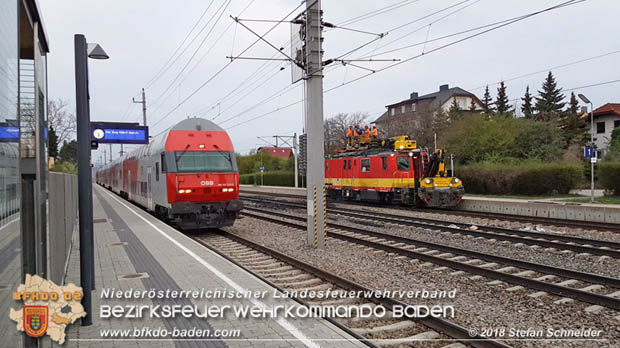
pixel 375 131
pixel 367 131
pixel 357 131
pixel 350 131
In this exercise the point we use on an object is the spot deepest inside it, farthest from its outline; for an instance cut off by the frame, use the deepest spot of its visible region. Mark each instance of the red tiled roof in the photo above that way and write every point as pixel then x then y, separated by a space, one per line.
pixel 282 152
pixel 609 108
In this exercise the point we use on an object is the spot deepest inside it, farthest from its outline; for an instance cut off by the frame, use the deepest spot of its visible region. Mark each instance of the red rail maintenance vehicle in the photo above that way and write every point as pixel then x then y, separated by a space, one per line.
pixel 186 175
pixel 392 170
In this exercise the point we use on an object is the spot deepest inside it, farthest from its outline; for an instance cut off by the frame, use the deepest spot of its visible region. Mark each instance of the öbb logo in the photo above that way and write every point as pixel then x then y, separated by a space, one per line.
pixel 206 183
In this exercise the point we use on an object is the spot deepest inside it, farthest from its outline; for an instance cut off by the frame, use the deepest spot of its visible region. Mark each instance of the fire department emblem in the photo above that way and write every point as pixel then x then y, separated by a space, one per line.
pixel 35 320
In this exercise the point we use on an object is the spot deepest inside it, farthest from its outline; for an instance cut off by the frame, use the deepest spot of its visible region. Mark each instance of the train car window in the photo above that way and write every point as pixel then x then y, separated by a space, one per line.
pixel 163 163
pixel 384 163
pixel 349 164
pixel 156 171
pixel 204 161
pixel 327 165
pixel 366 165
pixel 345 164
pixel 403 163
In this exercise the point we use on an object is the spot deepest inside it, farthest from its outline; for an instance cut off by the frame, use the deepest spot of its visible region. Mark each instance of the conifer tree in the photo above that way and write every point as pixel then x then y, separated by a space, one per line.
pixel 472 105
pixel 550 100
pixel 487 103
pixel 573 104
pixel 527 108
pixel 502 104
pixel 455 110
pixel 575 127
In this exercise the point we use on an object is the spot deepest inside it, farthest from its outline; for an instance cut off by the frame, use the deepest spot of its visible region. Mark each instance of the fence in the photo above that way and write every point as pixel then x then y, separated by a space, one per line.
pixel 63 210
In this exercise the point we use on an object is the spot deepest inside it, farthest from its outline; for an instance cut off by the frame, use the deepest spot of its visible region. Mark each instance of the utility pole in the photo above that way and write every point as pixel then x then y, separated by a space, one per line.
pixel 316 233
pixel 143 102
pixel 110 153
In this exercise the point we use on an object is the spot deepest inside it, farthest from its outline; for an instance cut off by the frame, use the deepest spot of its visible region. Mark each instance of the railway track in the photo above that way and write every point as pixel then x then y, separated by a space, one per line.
pixel 576 244
pixel 569 285
pixel 286 273
pixel 586 225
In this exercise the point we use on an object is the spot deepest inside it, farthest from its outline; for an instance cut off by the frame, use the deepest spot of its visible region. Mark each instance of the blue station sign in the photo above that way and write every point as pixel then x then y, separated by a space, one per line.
pixel 9 134
pixel 119 133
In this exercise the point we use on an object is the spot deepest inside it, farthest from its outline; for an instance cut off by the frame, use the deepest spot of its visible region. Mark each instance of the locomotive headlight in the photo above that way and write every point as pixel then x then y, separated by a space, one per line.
pixel 201 146
pixel 181 191
pixel 428 181
pixel 455 180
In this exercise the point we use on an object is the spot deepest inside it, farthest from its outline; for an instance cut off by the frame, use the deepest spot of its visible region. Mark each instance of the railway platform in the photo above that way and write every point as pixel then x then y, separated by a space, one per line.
pixel 136 252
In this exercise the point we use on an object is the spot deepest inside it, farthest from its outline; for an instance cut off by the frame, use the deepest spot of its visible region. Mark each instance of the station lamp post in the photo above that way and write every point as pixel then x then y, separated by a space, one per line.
pixel 83 51
pixel 587 101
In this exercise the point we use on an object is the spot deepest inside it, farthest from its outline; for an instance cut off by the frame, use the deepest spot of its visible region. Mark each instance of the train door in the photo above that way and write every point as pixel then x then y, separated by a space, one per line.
pixel 149 188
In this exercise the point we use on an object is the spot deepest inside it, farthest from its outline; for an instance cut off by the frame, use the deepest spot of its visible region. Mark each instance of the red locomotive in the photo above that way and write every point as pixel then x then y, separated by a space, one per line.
pixel 186 175
pixel 392 170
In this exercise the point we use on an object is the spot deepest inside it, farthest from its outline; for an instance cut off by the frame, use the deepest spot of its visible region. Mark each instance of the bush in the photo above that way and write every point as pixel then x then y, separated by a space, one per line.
pixel 279 178
pixel 64 167
pixel 523 179
pixel 478 138
pixel 609 176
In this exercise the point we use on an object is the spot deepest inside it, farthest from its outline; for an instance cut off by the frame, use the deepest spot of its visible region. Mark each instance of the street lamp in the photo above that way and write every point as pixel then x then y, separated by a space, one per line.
pixel 83 51
pixel 587 101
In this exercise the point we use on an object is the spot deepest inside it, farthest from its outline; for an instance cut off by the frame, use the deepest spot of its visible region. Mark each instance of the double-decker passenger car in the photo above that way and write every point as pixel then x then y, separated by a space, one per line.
pixel 186 175
pixel 393 170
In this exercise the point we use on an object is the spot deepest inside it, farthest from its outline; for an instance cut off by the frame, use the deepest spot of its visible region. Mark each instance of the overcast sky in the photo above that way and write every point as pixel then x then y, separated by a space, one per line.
pixel 141 35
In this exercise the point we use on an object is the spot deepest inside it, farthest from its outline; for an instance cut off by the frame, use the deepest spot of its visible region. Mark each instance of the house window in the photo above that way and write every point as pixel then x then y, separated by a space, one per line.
pixel 392 111
pixel 413 107
pixel 616 124
pixel 600 127
pixel 402 109
pixel 365 165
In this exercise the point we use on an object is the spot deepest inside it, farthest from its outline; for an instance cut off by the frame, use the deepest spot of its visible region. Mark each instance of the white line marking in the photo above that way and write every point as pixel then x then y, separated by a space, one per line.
pixel 288 326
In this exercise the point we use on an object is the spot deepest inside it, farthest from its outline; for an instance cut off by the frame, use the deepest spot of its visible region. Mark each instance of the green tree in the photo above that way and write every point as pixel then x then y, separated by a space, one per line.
pixel 550 100
pixel 472 105
pixel 52 142
pixel 527 108
pixel 479 138
pixel 455 112
pixel 487 102
pixel 68 152
pixel 613 150
pixel 575 127
pixel 502 104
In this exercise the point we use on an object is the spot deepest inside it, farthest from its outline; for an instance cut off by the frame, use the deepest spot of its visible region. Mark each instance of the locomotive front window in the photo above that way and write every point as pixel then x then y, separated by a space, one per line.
pixel 204 161
pixel 403 162
pixel 366 165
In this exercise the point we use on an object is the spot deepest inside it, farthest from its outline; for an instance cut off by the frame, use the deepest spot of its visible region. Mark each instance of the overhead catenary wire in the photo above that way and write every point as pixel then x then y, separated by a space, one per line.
pixel 165 66
pixel 502 24
pixel 221 11
pixel 223 68
pixel 493 26
pixel 548 69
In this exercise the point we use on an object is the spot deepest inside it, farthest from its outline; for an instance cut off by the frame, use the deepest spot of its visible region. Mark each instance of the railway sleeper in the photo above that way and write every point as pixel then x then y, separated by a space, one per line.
pixel 401 325
pixel 427 335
